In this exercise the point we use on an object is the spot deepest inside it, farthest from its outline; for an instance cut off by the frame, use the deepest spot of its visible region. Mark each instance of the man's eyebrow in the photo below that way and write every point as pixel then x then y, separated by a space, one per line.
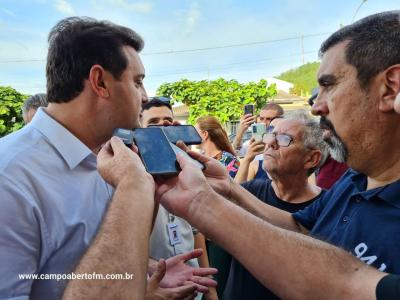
pixel 327 79
pixel 153 119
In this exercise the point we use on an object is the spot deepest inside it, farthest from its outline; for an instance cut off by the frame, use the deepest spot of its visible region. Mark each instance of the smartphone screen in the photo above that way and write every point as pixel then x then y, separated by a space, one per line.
pixel 249 109
pixel 186 133
pixel 257 131
pixel 155 150
pixel 179 150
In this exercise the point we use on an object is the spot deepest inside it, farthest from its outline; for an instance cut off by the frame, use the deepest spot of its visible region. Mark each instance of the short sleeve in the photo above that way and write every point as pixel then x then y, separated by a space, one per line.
pixel 308 216
pixel 20 241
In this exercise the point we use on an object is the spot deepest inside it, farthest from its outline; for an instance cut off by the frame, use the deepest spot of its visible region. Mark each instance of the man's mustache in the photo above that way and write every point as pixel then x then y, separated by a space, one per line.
pixel 324 123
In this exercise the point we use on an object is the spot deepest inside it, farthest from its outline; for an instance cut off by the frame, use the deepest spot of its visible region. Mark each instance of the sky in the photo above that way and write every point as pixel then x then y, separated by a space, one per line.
pixel 203 39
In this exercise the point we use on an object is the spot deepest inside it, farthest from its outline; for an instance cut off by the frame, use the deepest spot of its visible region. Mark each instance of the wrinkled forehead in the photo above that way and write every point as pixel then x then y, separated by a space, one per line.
pixel 291 127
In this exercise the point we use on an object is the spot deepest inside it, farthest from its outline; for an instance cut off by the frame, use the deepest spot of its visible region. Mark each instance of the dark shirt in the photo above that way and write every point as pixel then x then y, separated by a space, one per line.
pixel 330 172
pixel 241 284
pixel 388 288
pixel 261 174
pixel 363 222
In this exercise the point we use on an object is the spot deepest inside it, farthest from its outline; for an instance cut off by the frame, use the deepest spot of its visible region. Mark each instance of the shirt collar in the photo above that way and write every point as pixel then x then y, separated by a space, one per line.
pixel 388 193
pixel 69 146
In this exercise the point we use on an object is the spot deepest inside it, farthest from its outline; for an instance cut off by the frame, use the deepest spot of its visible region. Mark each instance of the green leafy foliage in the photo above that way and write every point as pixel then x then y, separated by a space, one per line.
pixel 304 78
pixel 220 98
pixel 11 102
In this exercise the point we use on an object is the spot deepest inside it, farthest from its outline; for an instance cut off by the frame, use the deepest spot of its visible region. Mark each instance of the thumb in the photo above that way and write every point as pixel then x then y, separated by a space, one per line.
pixel 183 160
pixel 159 273
pixel 117 145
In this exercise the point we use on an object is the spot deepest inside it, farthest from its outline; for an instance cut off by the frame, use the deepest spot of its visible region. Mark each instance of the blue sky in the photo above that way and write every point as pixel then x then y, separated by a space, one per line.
pixel 175 25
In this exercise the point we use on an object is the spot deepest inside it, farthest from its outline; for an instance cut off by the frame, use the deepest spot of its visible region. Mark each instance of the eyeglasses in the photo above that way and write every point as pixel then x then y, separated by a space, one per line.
pixel 283 140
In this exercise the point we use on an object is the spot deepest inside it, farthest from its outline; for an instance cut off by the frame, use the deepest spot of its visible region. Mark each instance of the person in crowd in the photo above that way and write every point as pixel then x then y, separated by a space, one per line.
pixel 293 151
pixel 268 112
pixel 215 144
pixel 158 111
pixel 359 79
pixel 58 215
pixel 31 105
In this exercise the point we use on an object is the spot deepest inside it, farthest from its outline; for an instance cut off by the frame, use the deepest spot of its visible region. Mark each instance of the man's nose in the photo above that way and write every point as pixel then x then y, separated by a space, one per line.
pixel 320 106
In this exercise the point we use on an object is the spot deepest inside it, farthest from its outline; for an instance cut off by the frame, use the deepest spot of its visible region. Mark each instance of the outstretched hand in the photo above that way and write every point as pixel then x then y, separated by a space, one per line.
pixel 179 273
pixel 156 292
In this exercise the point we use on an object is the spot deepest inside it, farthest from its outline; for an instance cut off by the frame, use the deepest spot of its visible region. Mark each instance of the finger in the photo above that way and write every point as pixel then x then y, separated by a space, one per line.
pixel 190 255
pixel 200 288
pixel 159 273
pixel 105 151
pixel 198 156
pixel 166 123
pixel 204 281
pixel 184 161
pixel 187 291
pixel 117 145
pixel 135 148
pixel 205 271
pixel 182 145
pixel 165 187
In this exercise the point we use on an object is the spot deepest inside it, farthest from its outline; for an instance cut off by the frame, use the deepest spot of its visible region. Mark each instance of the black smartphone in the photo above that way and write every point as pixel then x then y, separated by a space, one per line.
pixel 156 152
pixel 185 133
pixel 249 109
pixel 125 135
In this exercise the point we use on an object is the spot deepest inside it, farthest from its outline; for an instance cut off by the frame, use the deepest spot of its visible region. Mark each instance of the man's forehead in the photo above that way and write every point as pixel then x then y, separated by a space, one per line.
pixel 333 60
pixel 290 126
pixel 268 112
pixel 157 111
pixel 134 61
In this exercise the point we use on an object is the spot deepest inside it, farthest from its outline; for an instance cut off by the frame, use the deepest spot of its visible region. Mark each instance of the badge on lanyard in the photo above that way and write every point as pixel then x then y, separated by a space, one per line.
pixel 174 234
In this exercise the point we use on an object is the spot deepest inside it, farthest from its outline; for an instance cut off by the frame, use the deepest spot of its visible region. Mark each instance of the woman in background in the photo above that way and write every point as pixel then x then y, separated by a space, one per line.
pixel 215 144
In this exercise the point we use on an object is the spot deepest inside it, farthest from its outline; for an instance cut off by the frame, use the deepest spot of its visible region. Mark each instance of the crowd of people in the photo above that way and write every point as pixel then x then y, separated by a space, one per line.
pixel 308 211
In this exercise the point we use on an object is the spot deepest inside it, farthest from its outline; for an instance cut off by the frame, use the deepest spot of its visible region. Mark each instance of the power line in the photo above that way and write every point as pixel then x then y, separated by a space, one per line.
pixel 193 50
pixel 236 45
pixel 200 69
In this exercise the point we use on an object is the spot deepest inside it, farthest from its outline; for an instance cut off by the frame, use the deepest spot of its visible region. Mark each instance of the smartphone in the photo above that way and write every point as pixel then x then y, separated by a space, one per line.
pixel 156 152
pixel 185 133
pixel 125 135
pixel 249 109
pixel 179 150
pixel 257 131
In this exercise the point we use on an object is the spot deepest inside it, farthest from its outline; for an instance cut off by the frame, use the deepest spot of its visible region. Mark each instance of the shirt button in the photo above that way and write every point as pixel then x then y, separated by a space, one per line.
pixel 346 218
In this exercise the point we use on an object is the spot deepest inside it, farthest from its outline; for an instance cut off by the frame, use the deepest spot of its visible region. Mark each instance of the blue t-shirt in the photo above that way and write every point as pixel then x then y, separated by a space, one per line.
pixel 366 223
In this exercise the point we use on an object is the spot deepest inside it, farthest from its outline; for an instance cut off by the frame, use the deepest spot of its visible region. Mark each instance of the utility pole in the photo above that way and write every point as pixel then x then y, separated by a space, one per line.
pixel 302 48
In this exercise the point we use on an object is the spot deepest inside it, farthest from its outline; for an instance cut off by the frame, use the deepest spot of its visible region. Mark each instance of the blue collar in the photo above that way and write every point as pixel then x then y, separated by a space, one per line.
pixel 389 193
pixel 69 146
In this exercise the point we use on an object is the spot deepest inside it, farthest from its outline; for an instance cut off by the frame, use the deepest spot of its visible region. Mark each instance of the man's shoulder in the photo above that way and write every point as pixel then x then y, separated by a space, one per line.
pixel 24 150
pixel 257 186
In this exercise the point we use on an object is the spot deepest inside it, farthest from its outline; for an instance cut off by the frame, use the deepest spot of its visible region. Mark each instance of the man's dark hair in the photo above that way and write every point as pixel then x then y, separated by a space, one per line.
pixel 273 106
pixel 34 102
pixel 156 103
pixel 374 44
pixel 78 43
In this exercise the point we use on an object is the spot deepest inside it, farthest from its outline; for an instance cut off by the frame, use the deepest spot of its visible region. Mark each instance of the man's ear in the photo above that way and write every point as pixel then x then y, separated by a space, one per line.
pixel 391 88
pixel 97 81
pixel 312 159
